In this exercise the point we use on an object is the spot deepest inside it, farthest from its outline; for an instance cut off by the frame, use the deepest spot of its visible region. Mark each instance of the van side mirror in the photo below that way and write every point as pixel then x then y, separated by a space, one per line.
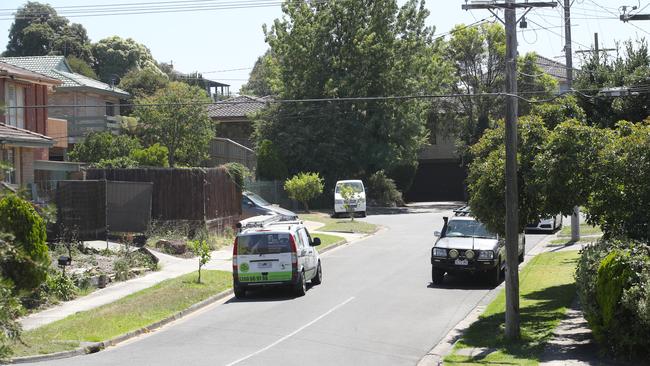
pixel 315 242
pixel 436 233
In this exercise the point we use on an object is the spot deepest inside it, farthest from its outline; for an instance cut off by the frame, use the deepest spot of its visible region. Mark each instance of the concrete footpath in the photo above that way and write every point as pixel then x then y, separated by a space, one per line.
pixel 170 267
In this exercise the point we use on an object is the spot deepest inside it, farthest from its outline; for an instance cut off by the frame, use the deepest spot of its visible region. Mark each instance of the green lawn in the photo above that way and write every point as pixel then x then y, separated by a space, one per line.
pixel 547 288
pixel 341 225
pixel 585 229
pixel 327 240
pixel 128 314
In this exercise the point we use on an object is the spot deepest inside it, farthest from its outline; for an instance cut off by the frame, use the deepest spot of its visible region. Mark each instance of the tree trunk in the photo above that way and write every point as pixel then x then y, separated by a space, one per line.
pixel 306 207
pixel 199 280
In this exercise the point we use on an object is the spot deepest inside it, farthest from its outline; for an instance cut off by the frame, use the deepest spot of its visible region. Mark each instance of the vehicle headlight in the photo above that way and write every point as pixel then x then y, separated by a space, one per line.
pixel 453 254
pixel 439 252
pixel 486 254
pixel 469 254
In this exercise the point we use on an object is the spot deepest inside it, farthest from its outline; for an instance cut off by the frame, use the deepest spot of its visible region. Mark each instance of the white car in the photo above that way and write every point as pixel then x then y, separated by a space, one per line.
pixel 357 204
pixel 270 252
pixel 550 224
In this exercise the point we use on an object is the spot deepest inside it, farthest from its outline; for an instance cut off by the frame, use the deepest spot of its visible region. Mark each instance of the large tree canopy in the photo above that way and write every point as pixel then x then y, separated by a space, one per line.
pixel 37 30
pixel 176 117
pixel 115 56
pixel 264 77
pixel 348 49
pixel 630 68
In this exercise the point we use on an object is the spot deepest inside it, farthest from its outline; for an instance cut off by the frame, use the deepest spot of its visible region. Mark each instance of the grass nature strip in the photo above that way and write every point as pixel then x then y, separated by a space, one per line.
pixel 547 288
pixel 327 240
pixel 343 225
pixel 125 315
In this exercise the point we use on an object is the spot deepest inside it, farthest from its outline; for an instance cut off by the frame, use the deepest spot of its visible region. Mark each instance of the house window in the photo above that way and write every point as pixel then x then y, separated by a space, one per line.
pixel 15 111
pixel 110 109
pixel 8 165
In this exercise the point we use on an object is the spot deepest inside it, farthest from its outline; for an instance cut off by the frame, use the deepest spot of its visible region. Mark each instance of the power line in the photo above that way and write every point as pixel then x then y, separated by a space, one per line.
pixel 611 12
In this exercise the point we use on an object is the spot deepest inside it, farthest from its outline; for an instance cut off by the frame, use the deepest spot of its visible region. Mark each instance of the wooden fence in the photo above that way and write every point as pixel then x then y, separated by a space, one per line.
pixel 184 194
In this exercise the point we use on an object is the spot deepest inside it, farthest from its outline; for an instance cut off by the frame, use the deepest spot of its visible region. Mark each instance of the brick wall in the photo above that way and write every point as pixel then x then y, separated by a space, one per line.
pixel 27 165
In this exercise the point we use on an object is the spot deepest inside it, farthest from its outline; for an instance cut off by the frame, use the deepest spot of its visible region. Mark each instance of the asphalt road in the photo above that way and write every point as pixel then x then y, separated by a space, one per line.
pixel 376 306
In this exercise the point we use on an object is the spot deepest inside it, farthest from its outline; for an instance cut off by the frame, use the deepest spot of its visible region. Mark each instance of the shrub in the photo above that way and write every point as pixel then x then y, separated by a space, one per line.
pixel 155 155
pixel 238 173
pixel 613 280
pixel 100 146
pixel 270 165
pixel 9 310
pixel 304 187
pixel 122 269
pixel 383 191
pixel 61 287
pixel 28 268
pixel 122 162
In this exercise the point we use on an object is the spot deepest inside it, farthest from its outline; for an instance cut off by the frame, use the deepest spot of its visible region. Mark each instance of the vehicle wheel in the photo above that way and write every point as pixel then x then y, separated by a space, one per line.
pixel 437 276
pixel 240 292
pixel 335 215
pixel 521 257
pixel 495 275
pixel 301 286
pixel 363 214
pixel 319 276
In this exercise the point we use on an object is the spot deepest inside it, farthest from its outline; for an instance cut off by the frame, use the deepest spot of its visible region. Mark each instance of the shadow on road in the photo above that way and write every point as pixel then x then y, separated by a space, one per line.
pixel 465 282
pixel 268 294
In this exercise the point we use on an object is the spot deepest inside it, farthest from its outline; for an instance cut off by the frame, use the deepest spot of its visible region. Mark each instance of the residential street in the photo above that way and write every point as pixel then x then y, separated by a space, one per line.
pixel 375 307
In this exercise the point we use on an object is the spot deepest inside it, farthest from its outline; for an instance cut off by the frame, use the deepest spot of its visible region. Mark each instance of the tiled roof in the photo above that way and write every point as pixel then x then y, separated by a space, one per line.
pixel 239 106
pixel 57 68
pixel 20 72
pixel 11 135
pixel 552 67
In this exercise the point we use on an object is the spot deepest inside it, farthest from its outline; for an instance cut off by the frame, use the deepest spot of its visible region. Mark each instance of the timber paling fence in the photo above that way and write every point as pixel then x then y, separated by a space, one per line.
pixel 196 196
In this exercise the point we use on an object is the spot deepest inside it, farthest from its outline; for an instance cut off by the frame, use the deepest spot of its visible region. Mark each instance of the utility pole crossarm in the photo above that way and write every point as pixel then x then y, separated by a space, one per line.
pixel 627 17
pixel 510 5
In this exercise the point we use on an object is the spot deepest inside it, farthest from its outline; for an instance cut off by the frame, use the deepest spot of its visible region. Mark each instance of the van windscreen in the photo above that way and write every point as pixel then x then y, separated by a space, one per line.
pixel 263 243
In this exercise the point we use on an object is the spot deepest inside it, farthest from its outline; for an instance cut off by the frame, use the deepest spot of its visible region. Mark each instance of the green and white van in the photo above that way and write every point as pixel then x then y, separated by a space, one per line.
pixel 275 253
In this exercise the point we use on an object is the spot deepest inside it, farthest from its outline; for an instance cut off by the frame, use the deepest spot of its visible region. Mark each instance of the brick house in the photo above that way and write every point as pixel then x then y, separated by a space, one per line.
pixel 87 104
pixel 24 122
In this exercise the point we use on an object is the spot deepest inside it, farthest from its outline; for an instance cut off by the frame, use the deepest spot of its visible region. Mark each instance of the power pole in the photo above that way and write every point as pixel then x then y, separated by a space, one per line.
pixel 575 216
pixel 512 329
pixel 597 50
pixel 626 17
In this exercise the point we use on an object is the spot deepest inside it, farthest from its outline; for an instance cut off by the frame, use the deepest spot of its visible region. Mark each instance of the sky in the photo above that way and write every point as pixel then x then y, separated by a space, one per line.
pixel 217 40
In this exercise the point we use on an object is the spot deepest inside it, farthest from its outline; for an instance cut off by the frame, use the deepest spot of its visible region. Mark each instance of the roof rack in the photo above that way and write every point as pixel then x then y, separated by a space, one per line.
pixel 258 221
pixel 463 211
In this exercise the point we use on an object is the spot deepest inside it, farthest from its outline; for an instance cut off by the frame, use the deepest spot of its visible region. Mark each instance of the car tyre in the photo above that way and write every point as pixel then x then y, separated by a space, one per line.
pixel 521 257
pixel 363 214
pixel 437 276
pixel 318 279
pixel 495 275
pixel 240 292
pixel 301 286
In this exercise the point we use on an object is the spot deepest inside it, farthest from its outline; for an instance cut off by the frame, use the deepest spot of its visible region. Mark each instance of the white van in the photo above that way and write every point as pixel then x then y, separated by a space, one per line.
pixel 357 203
pixel 275 253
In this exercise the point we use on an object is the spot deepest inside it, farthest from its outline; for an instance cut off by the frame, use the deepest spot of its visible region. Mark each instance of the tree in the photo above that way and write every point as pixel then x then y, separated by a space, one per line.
pixel 561 109
pixel 143 82
pixel 264 78
pixel 477 55
pixel 270 165
pixel 201 249
pixel 349 194
pixel 81 67
pixel 115 56
pixel 566 165
pixel 350 48
pixel 27 268
pixel 38 30
pixel 486 179
pixel 621 195
pixel 99 146
pixel 152 156
pixel 304 187
pixel 630 68
pixel 176 117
